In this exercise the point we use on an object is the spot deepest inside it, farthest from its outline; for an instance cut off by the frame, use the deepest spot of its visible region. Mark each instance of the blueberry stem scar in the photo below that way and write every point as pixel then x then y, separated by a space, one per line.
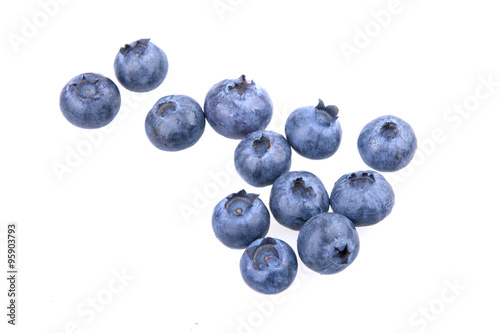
pixel 342 255
pixel 139 46
pixel 235 199
pixel 299 187
pixel 389 130
pixel 164 107
pixel 241 195
pixel 84 83
pixel 326 115
pixel 331 111
pixel 268 250
pixel 241 86
pixel 261 145
pixel 353 178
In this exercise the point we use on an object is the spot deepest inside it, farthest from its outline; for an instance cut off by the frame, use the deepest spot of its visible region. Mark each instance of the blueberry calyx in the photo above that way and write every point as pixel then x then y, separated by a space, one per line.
pixel 238 203
pixel 165 107
pixel 326 115
pixel 264 254
pixel 364 178
pixel 389 130
pixel 299 188
pixel 342 255
pixel 261 145
pixel 86 89
pixel 240 85
pixel 138 47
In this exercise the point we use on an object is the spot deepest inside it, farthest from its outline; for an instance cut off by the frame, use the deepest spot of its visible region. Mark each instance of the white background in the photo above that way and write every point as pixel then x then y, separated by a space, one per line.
pixel 127 207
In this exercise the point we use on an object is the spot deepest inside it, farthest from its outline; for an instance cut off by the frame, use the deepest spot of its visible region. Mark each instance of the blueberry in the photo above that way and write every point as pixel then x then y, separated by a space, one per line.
pixel 175 122
pixel 365 197
pixel 296 197
pixel 314 132
pixel 328 243
pixel 240 219
pixel 387 143
pixel 235 108
pixel 90 100
pixel 268 265
pixel 141 66
pixel 261 157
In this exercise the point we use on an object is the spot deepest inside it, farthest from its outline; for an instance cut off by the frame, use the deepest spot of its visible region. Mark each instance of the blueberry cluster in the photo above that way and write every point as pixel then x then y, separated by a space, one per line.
pixel 327 242
pixel 237 109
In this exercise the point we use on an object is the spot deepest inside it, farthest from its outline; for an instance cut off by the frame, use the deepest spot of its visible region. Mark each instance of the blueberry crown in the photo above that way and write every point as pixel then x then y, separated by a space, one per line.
pixel 261 145
pixel 299 187
pixel 138 47
pixel 342 256
pixel 354 177
pixel 237 203
pixel 331 110
pixel 326 115
pixel 263 253
pixel 240 85
pixel 389 130
pixel 165 107
pixel 86 89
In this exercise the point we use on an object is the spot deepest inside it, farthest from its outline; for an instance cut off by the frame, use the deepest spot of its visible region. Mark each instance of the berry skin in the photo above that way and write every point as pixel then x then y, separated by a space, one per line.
pixel 268 265
pixel 328 243
pixel 240 219
pixel 297 196
pixel 90 100
pixel 261 157
pixel 387 143
pixel 364 197
pixel 236 108
pixel 314 132
pixel 141 66
pixel 175 122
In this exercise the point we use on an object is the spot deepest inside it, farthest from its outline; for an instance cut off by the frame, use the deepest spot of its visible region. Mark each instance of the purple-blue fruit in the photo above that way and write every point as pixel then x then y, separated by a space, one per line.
pixel 141 66
pixel 365 197
pixel 328 243
pixel 261 157
pixel 175 122
pixel 297 196
pixel 90 100
pixel 268 265
pixel 240 219
pixel 236 108
pixel 387 143
pixel 314 132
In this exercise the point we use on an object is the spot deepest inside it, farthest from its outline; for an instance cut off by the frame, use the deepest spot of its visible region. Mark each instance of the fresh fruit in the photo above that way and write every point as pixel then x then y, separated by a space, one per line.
pixel 261 157
pixel 314 132
pixel 175 122
pixel 90 100
pixel 387 143
pixel 364 197
pixel 268 265
pixel 240 219
pixel 141 66
pixel 297 196
pixel 235 108
pixel 328 243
